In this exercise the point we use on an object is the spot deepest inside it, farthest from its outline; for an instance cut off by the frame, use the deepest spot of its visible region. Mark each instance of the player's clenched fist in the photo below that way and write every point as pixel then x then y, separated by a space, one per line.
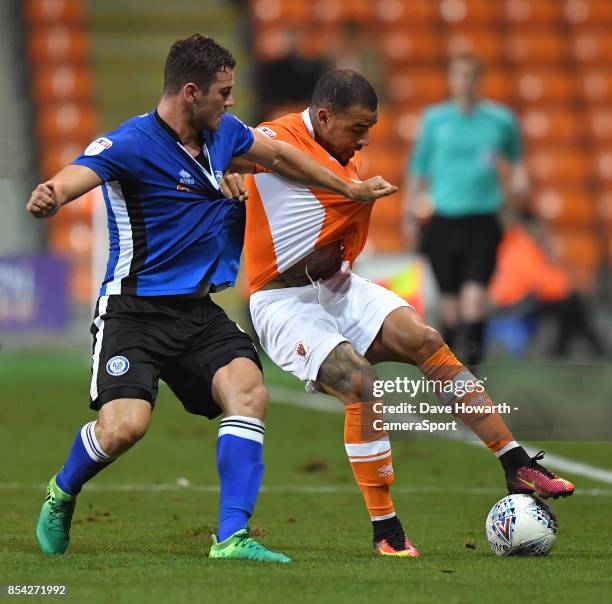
pixel 233 186
pixel 371 189
pixel 43 201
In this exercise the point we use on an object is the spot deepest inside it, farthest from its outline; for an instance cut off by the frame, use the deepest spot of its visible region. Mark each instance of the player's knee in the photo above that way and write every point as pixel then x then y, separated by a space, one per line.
pixel 117 437
pixel 253 402
pixel 427 341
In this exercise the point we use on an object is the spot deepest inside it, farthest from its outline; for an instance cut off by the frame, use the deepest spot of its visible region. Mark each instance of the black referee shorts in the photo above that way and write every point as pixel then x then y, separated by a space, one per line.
pixel 462 249
pixel 184 341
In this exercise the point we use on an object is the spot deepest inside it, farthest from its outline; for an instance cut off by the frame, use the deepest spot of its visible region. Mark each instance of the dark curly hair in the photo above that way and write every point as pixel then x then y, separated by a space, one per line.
pixel 195 59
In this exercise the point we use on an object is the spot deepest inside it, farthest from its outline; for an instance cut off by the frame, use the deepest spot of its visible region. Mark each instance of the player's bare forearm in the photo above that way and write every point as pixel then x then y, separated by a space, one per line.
pixel 73 181
pixel 416 187
pixel 68 184
pixel 410 223
pixel 290 163
pixel 518 184
pixel 241 165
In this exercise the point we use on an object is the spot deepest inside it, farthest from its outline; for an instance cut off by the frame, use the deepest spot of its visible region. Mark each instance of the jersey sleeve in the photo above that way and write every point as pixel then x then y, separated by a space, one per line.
pixel 240 135
pixel 513 144
pixel 421 154
pixel 115 156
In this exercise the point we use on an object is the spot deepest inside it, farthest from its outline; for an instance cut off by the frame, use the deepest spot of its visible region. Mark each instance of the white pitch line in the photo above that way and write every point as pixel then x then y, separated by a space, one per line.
pixel 321 402
pixel 332 489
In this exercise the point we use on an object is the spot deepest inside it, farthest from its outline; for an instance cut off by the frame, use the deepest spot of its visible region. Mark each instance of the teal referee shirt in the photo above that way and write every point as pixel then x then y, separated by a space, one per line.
pixel 457 153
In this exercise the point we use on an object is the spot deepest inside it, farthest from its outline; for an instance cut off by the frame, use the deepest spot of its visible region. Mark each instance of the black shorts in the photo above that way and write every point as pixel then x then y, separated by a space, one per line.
pixel 137 340
pixel 462 249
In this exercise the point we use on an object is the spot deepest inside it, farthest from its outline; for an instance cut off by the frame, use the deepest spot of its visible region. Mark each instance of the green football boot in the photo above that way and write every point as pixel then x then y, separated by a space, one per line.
pixel 53 529
pixel 241 546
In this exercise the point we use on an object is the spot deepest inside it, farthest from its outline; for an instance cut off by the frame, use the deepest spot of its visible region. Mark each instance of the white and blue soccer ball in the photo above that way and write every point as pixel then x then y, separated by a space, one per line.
pixel 521 525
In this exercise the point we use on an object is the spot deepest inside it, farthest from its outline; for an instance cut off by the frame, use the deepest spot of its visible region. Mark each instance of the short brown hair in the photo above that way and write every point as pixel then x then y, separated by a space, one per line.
pixel 195 59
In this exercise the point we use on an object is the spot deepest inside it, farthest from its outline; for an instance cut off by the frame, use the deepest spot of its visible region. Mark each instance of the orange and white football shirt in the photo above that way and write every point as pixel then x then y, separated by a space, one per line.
pixel 286 221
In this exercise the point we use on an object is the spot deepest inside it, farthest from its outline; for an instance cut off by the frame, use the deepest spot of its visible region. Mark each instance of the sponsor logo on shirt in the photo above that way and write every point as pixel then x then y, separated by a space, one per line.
pixel 96 147
pixel 267 131
pixel 186 178
pixel 385 471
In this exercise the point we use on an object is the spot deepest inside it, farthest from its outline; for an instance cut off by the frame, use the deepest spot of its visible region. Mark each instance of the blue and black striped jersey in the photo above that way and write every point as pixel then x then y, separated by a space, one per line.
pixel 171 229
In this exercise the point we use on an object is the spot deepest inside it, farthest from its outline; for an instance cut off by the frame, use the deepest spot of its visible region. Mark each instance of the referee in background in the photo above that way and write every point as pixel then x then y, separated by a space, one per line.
pixel 456 159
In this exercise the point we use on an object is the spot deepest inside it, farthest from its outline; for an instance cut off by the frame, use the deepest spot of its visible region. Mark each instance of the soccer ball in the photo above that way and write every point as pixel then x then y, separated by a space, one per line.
pixel 521 525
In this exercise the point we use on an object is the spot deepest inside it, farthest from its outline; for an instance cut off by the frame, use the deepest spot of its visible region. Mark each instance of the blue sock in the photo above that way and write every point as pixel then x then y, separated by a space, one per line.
pixel 240 467
pixel 85 460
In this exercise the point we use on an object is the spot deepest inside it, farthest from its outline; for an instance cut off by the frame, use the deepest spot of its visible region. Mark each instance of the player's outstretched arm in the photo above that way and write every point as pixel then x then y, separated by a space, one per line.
pixel 290 163
pixel 68 184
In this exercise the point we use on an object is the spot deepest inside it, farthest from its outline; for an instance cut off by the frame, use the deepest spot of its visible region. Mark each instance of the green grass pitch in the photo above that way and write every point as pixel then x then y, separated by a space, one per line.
pixel 140 537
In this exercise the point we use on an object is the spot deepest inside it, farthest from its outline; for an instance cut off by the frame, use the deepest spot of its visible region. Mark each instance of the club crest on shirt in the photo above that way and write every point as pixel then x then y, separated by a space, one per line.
pixel 301 350
pixel 117 366
pixel 96 147
pixel 219 176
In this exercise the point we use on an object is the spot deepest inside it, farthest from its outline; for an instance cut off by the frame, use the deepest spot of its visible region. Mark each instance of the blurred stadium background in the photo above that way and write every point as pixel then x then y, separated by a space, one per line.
pixel 72 69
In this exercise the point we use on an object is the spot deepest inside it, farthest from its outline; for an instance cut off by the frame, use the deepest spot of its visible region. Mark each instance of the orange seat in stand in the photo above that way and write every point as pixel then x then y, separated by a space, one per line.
pixel 51 12
pixel 486 44
pixel 67 121
pixel 53 157
pixel 62 82
pixel 417 86
pixel 565 206
pixel 400 45
pixel 57 45
pixel 595 86
pixel 592 47
pixel 521 13
pixel 552 125
pixel 539 86
pixel 554 165
pixel 535 47
pixel 587 12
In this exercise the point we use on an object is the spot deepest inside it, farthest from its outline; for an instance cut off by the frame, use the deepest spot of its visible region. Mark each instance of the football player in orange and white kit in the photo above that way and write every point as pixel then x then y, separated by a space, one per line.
pixel 328 326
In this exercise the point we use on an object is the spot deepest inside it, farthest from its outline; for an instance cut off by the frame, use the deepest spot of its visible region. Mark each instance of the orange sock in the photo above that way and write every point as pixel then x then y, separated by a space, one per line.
pixel 489 427
pixel 369 452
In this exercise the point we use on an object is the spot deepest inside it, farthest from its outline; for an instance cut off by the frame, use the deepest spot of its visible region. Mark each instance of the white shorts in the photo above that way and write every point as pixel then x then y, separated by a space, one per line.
pixel 299 326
